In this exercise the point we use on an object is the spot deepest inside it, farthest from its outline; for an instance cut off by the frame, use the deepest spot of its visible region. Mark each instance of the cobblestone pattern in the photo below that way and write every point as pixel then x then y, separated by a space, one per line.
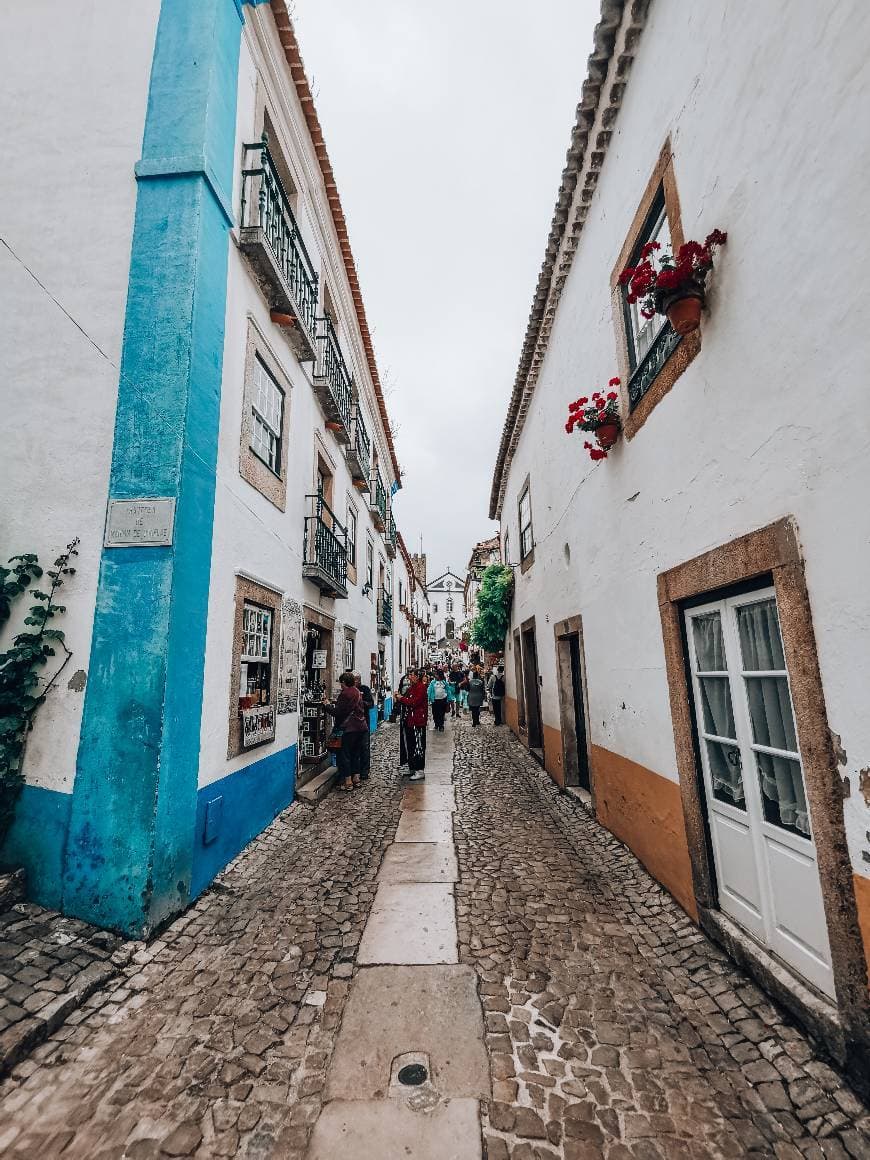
pixel 615 1028
pixel 216 1039
pixel 48 966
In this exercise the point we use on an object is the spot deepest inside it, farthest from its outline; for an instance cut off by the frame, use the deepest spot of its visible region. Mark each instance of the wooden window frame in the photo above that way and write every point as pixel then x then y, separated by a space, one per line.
pixel 528 559
pixel 254 470
pixel 774 551
pixel 688 347
pixel 249 592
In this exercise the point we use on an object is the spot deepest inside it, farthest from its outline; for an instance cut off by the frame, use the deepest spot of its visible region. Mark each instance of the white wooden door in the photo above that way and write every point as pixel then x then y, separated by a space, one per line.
pixel 756 801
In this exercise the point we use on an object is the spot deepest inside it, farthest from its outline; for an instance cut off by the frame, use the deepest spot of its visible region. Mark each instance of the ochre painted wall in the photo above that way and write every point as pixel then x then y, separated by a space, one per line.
pixel 862 898
pixel 553 754
pixel 644 810
pixel 510 714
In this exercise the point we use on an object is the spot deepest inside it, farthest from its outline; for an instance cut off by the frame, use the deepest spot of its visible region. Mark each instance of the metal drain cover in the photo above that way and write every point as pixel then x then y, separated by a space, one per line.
pixel 412 1075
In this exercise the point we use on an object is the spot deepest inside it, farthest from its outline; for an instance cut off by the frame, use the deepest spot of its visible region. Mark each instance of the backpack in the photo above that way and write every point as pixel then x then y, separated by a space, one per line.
pixel 498 687
pixel 440 690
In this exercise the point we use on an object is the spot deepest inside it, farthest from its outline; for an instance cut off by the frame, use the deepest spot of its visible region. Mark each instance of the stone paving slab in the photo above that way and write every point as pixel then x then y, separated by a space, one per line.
pixel 419 862
pixel 425 826
pixel 411 923
pixel 49 965
pixel 388 1129
pixel 392 1011
pixel 429 797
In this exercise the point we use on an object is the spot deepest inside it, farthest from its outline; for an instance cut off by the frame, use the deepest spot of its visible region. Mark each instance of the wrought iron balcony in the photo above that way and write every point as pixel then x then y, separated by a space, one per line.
pixel 642 377
pixel 333 382
pixel 269 236
pixel 359 451
pixel 390 536
pixel 385 612
pixel 378 502
pixel 325 559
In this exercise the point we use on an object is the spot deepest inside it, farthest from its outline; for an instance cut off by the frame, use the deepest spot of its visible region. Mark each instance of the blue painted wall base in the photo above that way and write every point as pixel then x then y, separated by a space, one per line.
pixel 37 842
pixel 249 799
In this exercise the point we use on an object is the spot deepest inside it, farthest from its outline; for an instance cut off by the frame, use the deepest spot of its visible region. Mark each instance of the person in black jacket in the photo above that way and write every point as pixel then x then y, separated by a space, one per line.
pixel 368 703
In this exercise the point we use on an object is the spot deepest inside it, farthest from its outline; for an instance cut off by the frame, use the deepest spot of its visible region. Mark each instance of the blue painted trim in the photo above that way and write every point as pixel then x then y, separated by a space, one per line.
pixel 129 854
pixel 37 841
pixel 192 165
pixel 252 797
pixel 388 707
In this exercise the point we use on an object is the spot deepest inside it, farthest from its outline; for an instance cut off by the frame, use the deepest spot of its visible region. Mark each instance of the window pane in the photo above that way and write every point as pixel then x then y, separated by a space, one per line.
pixel 709 646
pixel 771 713
pixel 726 774
pixel 268 400
pixel 760 640
pixel 716 706
pixel 645 330
pixel 782 793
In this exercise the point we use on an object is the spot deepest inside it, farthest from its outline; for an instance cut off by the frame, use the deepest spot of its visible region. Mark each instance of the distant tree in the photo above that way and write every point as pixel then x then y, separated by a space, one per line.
pixel 493 607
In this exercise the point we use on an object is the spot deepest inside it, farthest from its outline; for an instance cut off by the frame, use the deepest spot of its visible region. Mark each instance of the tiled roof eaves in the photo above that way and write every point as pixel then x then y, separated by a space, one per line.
pixel 290 45
pixel 600 101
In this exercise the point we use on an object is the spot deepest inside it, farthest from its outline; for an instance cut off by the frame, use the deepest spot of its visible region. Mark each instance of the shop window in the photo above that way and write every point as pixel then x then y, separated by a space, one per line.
pixel 263 447
pixel 254 678
pixel 349 652
pixel 650 354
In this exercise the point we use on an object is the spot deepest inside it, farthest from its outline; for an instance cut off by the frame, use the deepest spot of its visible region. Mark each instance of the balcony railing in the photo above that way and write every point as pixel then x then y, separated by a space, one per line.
pixel 665 343
pixel 325 559
pixel 390 536
pixel 385 612
pixel 269 235
pixel 333 382
pixel 359 451
pixel 378 502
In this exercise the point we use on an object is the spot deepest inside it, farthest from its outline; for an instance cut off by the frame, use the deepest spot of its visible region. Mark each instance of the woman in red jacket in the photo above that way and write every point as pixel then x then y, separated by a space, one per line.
pixel 412 740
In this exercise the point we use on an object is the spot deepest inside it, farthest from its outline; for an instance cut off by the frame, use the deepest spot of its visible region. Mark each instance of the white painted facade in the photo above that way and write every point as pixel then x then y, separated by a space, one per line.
pixel 771 418
pixel 447 604
pixel 75 91
pixel 252 537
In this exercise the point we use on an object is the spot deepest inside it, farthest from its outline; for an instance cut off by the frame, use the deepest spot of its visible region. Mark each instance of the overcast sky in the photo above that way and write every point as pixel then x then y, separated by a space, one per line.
pixel 447 126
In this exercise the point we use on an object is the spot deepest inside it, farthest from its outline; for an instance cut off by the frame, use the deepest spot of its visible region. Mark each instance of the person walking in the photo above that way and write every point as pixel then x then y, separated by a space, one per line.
pixel 457 681
pixel 440 694
pixel 476 695
pixel 368 704
pixel 497 690
pixel 350 717
pixel 412 739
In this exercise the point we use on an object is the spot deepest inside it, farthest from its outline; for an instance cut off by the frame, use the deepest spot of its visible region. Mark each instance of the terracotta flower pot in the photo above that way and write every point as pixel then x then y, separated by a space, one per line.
pixel 684 311
pixel 606 435
pixel 282 319
pixel 333 426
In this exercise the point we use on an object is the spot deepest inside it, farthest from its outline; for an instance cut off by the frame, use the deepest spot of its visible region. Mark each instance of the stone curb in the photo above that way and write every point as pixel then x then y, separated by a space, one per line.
pixel 18 1041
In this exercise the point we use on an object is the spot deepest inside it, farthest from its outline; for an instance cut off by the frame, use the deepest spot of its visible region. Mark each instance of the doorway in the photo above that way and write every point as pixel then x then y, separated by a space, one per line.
pixel 758 815
pixel 572 703
pixel 532 689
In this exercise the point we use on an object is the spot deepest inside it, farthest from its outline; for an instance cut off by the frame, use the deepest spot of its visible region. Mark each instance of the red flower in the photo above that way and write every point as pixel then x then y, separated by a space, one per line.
pixel 596 453
pixel 583 401
pixel 569 426
pixel 602 416
pixel 715 238
pixel 588 445
pixel 613 383
pixel 626 275
pixel 612 395
pixel 648 249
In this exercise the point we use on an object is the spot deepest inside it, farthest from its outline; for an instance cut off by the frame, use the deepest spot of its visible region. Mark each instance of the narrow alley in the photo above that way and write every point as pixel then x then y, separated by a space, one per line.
pixel 272 1018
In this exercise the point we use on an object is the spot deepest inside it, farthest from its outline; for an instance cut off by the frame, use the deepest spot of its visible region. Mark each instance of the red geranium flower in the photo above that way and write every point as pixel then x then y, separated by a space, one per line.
pixel 612 395
pixel 614 383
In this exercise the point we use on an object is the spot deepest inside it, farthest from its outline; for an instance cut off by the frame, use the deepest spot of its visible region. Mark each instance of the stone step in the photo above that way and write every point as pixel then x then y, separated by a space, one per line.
pixel 318 787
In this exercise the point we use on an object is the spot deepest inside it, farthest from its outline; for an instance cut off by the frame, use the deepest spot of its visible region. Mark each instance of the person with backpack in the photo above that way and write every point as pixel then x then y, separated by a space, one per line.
pixel 476 694
pixel 497 690
pixel 457 682
pixel 441 695
pixel 351 721
pixel 368 703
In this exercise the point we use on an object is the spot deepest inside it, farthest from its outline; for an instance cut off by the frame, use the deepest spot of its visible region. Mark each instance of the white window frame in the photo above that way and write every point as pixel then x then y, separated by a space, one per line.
pixel 352 523
pixel 267 415
pixel 526 497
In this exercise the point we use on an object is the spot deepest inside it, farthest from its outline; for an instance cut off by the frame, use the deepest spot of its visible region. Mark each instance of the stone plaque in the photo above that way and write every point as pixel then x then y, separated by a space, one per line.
pixel 140 523
pixel 258 725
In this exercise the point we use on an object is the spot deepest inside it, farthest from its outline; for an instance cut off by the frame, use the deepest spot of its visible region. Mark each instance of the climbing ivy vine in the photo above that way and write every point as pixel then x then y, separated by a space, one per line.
pixel 493 607
pixel 23 687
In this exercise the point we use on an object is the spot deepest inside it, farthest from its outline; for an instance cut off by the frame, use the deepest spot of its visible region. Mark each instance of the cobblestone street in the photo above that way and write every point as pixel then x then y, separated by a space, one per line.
pixel 613 1027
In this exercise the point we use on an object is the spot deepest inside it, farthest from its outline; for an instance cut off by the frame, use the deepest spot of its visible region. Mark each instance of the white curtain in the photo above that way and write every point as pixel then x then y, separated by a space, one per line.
pixel 709 647
pixel 725 773
pixel 772 717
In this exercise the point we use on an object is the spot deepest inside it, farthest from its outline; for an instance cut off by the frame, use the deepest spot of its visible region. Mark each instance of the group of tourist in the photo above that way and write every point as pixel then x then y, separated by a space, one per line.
pixel 445 690
pixel 452 690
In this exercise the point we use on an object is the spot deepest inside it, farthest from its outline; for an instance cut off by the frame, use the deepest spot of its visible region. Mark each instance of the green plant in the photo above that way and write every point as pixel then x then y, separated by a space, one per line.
pixel 493 607
pixel 22 688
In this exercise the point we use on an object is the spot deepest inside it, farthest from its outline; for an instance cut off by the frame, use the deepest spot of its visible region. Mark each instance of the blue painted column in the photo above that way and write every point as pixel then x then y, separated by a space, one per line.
pixel 130 842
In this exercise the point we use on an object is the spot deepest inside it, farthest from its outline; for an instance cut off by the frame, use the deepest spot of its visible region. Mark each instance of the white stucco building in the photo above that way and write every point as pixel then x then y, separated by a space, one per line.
pixel 185 333
pixel 689 625
pixel 447 605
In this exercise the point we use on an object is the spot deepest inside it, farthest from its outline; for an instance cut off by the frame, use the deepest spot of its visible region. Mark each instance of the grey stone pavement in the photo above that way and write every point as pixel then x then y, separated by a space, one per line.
pixel 612 1027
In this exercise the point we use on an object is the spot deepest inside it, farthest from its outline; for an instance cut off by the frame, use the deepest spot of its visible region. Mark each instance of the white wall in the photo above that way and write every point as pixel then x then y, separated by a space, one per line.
pixel 250 534
pixel 772 417
pixel 74 84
